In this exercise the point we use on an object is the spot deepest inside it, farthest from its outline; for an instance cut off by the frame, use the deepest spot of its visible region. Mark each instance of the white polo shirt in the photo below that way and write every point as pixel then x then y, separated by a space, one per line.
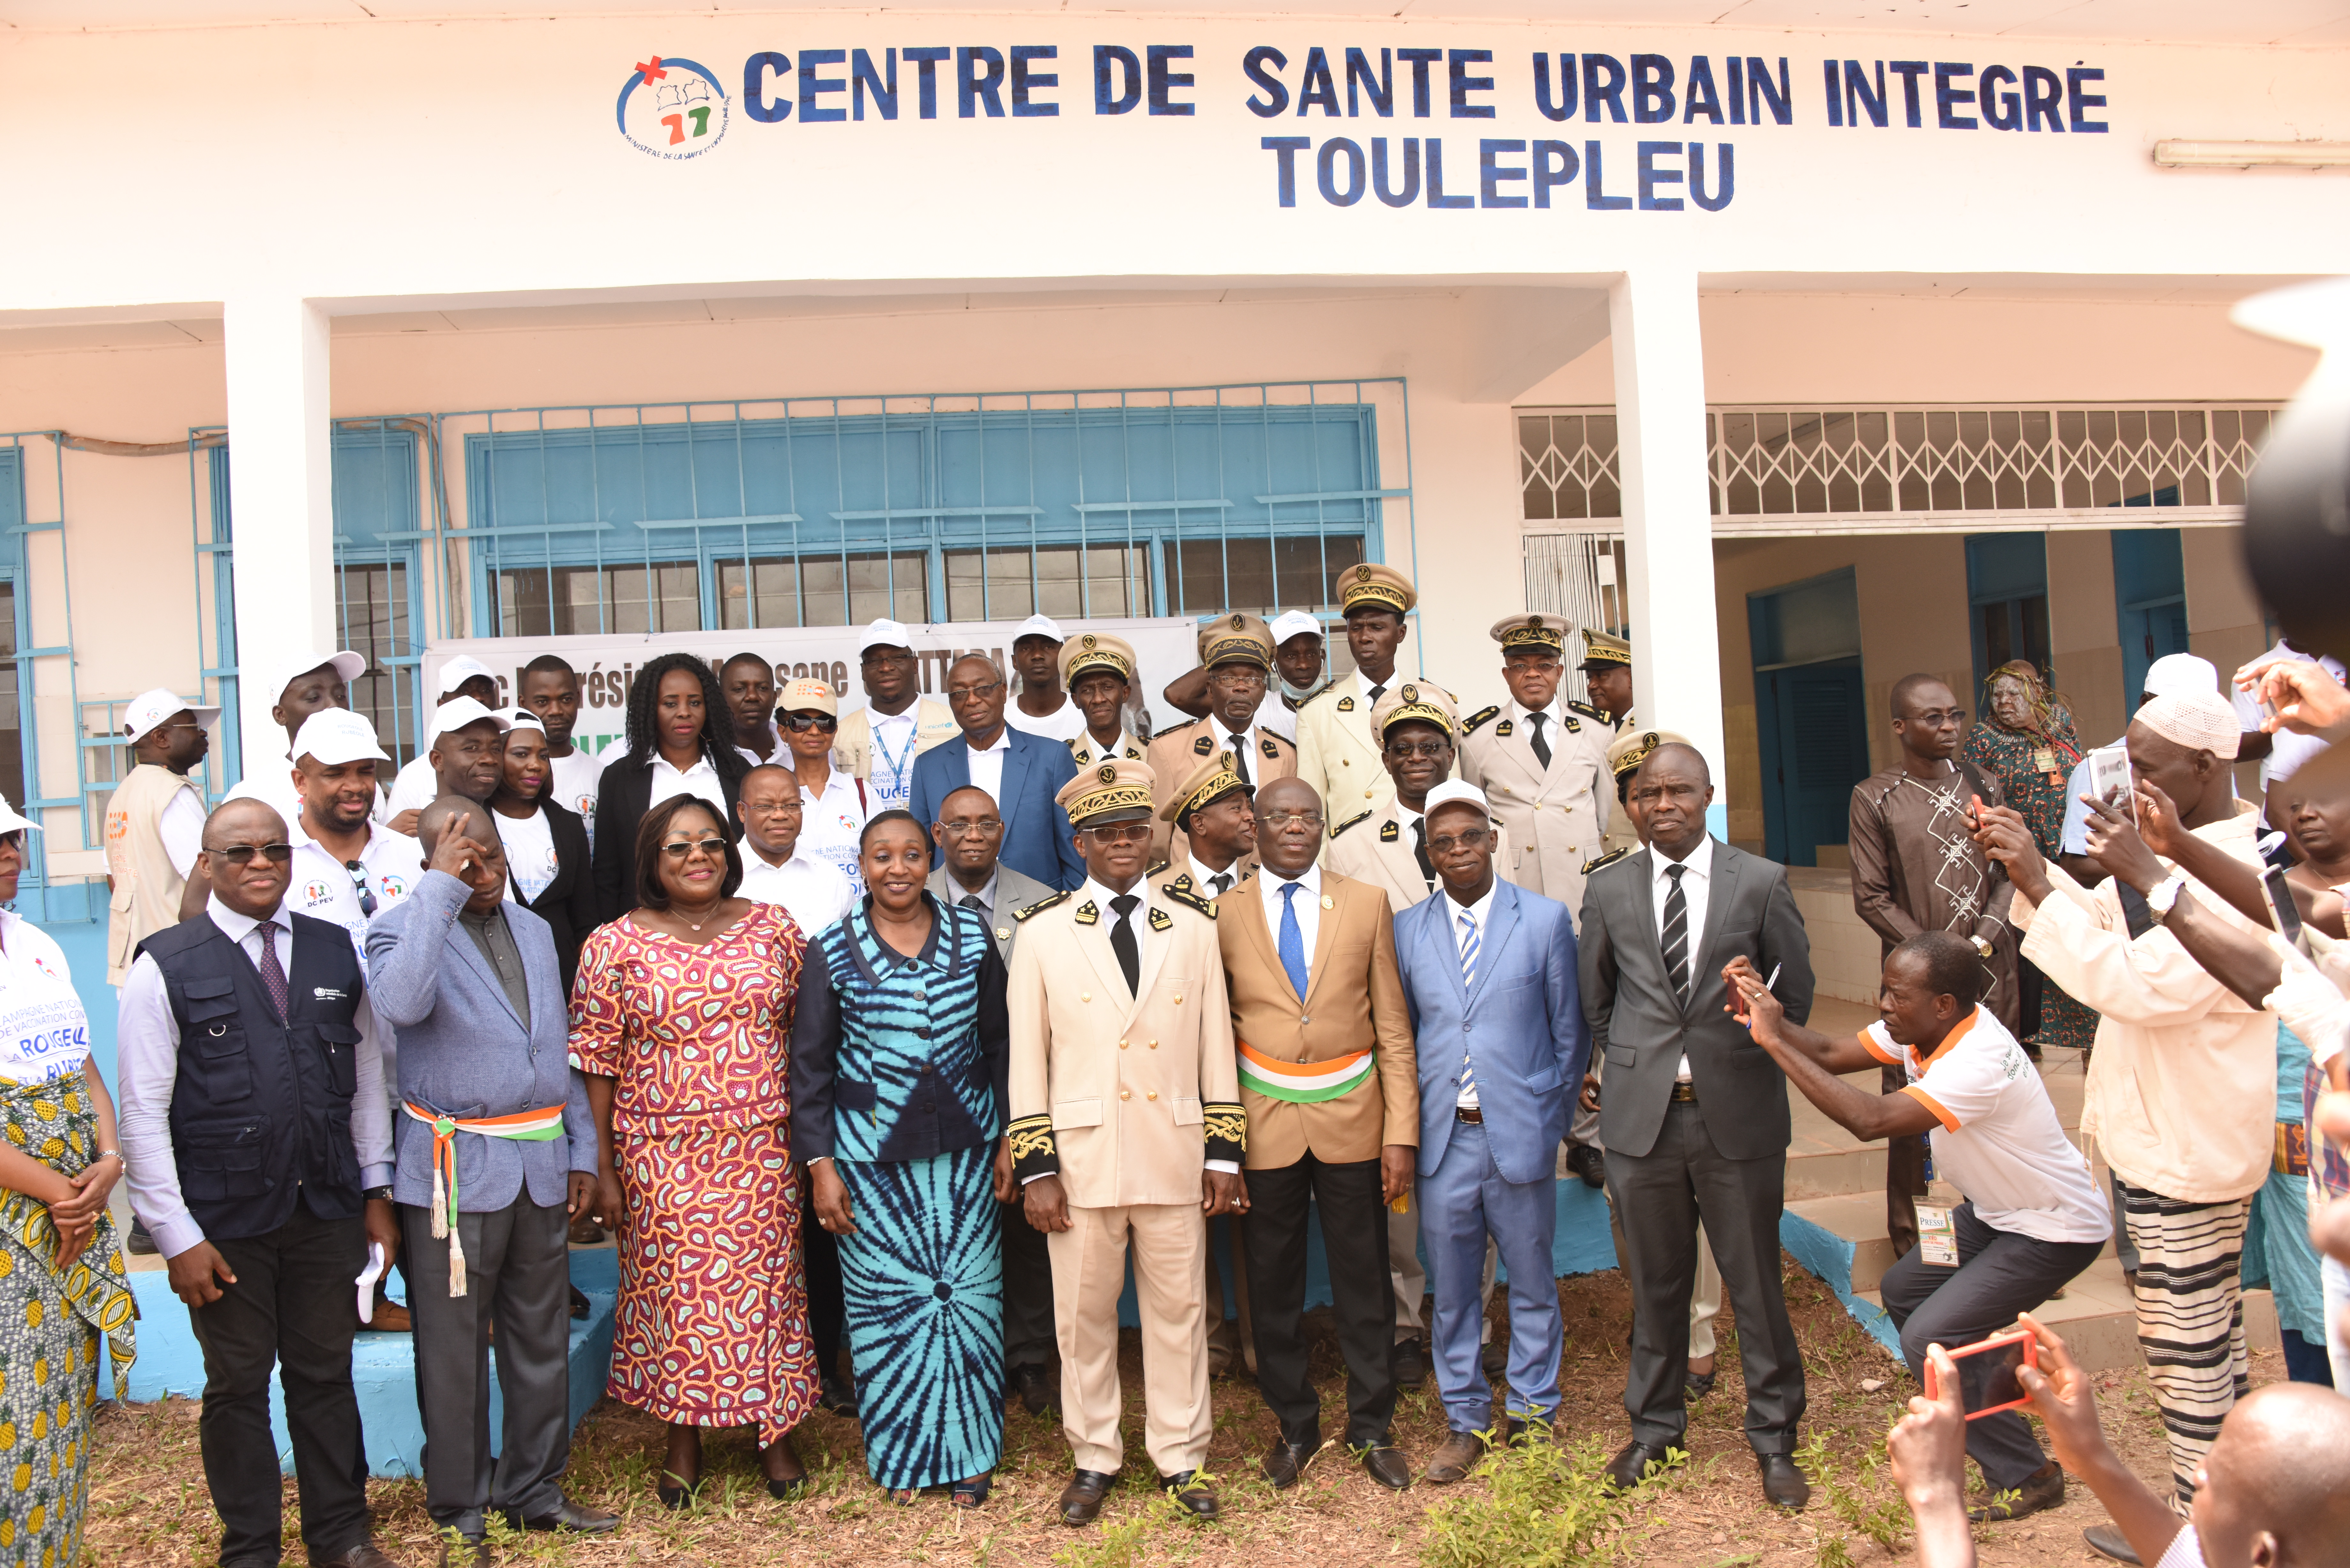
pixel 320 886
pixel 1999 1142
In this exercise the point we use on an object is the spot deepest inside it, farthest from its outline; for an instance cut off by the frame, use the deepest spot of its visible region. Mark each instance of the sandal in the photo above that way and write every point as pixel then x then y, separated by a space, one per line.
pixel 905 1497
pixel 676 1497
pixel 972 1493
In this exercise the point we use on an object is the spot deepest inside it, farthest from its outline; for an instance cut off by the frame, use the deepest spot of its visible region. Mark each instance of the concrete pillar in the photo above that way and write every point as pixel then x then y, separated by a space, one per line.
pixel 1668 510
pixel 281 495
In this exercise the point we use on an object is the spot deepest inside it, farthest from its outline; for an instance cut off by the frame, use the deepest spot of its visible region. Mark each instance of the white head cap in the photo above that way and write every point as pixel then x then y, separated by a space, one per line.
pixel 2181 673
pixel 1042 626
pixel 149 709
pixel 461 669
pixel 351 666
pixel 1453 792
pixel 459 712
pixel 1294 623
pixel 12 823
pixel 885 634
pixel 2199 721
pixel 336 736
pixel 523 719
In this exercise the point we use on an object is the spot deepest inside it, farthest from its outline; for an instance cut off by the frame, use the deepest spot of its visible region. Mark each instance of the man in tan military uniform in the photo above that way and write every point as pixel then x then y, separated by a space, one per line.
pixel 1211 810
pixel 1607 672
pixel 1236 651
pixel 1097 671
pixel 1335 752
pixel 1544 767
pixel 1127 1131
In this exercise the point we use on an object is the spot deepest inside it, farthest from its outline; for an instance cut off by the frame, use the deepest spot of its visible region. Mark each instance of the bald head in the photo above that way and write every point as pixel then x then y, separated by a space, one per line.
pixel 482 824
pixel 2280 1469
pixel 1675 756
pixel 243 821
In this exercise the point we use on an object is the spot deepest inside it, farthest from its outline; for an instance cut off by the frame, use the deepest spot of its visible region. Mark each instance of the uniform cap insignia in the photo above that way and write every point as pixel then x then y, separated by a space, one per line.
pixel 1087 641
pixel 1411 693
pixel 1363 574
pixel 1108 774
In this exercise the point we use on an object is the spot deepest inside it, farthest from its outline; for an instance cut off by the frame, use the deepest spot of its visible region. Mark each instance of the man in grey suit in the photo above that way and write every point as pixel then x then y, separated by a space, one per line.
pixel 496 1157
pixel 970 835
pixel 1694 1116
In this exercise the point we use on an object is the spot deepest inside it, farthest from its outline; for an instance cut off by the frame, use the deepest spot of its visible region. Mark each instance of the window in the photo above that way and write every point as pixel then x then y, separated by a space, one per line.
pixel 1067 582
pixel 1267 576
pixel 824 590
pixel 12 723
pixel 373 616
pixel 2149 602
pixel 2007 595
pixel 659 596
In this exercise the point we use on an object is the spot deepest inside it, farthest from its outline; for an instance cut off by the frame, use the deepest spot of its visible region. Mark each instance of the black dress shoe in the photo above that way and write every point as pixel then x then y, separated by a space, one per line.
pixel 1784 1485
pixel 1587 1163
pixel 567 1515
pixel 1035 1389
pixel 838 1395
pixel 1190 1493
pixel 1286 1458
pixel 1081 1500
pixel 1696 1385
pixel 1513 1431
pixel 1410 1364
pixel 1494 1360
pixel 1629 1468
pixel 1384 1463
pixel 2042 1488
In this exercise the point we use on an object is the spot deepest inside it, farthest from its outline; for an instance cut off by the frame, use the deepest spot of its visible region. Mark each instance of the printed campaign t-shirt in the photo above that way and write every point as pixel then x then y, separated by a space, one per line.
pixel 575 780
pixel 530 853
pixel 1998 1140
pixel 44 1032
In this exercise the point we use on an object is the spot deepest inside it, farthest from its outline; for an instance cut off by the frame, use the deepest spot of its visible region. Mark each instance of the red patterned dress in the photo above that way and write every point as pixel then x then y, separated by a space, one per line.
pixel 713 1328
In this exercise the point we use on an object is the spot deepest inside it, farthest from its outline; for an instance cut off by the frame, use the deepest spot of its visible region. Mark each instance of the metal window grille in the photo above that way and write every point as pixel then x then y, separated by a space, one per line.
pixel 41 681
pixel 1792 471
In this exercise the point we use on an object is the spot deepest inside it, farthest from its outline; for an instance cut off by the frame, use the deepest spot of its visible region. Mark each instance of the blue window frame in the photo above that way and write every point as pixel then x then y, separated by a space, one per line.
pixel 934 509
pixel 2149 602
pixel 2007 601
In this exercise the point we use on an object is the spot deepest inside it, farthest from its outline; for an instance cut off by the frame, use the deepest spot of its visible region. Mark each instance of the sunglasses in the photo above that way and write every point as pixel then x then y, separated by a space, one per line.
pixel 14 840
pixel 360 881
pixel 713 847
pixel 1120 833
pixel 243 854
pixel 798 722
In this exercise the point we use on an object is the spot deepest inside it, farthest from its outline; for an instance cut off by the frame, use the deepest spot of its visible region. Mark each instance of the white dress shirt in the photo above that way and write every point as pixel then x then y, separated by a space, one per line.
pixel 812 892
pixel 1480 914
pixel 987 766
pixel 701 779
pixel 892 785
pixel 148 1063
pixel 1695 884
pixel 1308 903
pixel 1245 742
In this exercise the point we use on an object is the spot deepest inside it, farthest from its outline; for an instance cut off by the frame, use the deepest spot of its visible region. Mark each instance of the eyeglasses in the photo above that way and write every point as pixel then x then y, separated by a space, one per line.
pixel 713 847
pixel 957 694
pixel 162 728
pixel 1309 820
pixel 243 854
pixel 360 881
pixel 1474 838
pixel 14 840
pixel 1404 751
pixel 798 722
pixel 1236 675
pixel 984 827
pixel 1120 833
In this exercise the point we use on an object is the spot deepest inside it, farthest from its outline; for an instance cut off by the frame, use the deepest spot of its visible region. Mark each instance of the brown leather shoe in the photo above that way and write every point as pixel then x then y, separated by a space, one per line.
pixel 1081 1500
pixel 1454 1459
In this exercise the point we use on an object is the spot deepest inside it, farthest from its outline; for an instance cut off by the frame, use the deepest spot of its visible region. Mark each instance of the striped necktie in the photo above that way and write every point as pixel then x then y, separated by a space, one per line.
pixel 272 973
pixel 1469 947
pixel 1674 932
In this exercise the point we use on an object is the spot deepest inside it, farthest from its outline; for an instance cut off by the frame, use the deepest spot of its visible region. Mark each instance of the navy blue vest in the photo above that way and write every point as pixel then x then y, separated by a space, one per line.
pixel 261 1110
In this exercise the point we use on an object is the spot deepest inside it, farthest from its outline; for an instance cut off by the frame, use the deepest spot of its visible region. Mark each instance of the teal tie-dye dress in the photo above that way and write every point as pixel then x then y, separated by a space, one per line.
pixel 898 1073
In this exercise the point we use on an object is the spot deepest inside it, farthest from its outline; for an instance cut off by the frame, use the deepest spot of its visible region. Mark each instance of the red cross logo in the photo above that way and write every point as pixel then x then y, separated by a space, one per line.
pixel 653 72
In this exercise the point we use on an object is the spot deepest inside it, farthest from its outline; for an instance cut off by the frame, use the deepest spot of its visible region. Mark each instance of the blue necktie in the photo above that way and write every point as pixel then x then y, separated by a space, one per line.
pixel 1293 939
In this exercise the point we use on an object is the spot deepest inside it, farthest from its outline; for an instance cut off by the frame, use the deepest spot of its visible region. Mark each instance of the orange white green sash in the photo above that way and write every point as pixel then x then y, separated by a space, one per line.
pixel 542 1125
pixel 1302 1083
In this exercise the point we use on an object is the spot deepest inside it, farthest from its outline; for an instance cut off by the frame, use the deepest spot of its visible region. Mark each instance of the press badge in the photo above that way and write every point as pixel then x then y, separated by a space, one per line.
pixel 1937 1240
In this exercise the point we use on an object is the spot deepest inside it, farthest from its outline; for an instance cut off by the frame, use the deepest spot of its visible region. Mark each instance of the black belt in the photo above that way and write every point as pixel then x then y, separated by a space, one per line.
pixel 1469 1114
pixel 1684 1094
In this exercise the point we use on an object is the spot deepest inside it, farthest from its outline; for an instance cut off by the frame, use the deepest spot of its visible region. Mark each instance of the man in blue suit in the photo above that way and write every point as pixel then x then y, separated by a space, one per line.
pixel 1488 973
pixel 496 1157
pixel 1019 772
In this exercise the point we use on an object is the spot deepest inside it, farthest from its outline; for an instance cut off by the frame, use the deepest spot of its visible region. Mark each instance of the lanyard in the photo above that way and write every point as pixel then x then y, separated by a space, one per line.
pixel 897 764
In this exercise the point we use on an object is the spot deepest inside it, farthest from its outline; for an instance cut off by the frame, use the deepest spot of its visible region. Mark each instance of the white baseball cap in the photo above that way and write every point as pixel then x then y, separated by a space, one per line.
pixel 461 669
pixel 1042 626
pixel 523 719
pixel 1453 792
pixel 336 736
pixel 459 712
pixel 149 709
pixel 2180 673
pixel 885 634
pixel 351 666
pixel 1295 623
pixel 10 822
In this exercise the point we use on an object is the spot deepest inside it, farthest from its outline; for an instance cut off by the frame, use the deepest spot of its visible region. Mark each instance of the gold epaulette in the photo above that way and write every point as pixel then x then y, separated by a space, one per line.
pixel 1040 906
pixel 1181 892
pixel 1483 715
pixel 1605 861
pixel 1338 827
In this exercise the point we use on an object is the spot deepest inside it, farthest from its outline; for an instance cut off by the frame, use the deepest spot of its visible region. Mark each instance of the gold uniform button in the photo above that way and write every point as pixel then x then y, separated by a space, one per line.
pixel 1179 1001
pixel 1121 1045
pixel 1151 1094
pixel 1085 996
pixel 1125 1094
pixel 1154 1045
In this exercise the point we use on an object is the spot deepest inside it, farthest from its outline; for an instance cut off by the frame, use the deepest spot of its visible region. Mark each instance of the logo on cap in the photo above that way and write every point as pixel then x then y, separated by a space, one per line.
pixel 1362 573
pixel 1088 640
pixel 1238 622
pixel 1533 623
pixel 1411 693
pixel 1108 774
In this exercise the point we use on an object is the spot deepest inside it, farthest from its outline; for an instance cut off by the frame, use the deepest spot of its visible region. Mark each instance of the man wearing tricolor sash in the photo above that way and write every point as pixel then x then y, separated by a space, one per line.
pixel 1330 1084
pixel 496 1157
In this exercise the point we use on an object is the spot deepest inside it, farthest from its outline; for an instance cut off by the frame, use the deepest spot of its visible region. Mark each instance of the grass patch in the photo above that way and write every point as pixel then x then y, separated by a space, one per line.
pixel 1546 1507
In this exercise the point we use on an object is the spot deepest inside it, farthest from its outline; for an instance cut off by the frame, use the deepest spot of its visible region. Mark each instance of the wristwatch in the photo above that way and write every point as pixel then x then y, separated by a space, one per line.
pixel 2164 898
pixel 374 1193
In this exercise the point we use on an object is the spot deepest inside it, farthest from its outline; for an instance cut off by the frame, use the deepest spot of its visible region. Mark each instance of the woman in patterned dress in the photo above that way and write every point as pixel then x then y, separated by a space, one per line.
pixel 61 1270
pixel 681 1020
pixel 898 1064
pixel 2027 742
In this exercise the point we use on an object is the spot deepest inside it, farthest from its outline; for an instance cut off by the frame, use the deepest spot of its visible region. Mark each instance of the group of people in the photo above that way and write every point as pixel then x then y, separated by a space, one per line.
pixel 912 1028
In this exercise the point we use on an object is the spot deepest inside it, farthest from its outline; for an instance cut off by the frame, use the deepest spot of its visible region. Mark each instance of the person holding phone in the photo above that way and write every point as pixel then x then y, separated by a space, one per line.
pixel 2034 1217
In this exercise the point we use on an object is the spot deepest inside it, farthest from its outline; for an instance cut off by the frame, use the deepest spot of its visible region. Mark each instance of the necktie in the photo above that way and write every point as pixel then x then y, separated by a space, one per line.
pixel 1374 694
pixel 1293 939
pixel 1240 759
pixel 1541 746
pixel 1220 882
pixel 1469 948
pixel 1122 942
pixel 272 973
pixel 1419 853
pixel 1674 932
pixel 971 901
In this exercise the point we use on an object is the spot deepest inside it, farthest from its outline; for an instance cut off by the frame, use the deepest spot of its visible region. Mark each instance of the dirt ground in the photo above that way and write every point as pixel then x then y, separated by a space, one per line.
pixel 148 1506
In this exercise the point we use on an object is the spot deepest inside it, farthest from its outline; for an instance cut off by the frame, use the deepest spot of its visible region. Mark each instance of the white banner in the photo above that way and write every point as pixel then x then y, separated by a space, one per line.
pixel 1164 647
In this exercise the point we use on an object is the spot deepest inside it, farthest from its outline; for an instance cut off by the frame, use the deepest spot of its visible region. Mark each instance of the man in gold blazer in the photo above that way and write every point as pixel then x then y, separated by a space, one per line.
pixel 1126 1131
pixel 1332 1092
pixel 1236 651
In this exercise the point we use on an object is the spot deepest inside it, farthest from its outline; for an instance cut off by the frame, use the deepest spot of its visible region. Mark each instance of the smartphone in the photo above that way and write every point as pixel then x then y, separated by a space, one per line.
pixel 2286 913
pixel 2109 770
pixel 1987 1368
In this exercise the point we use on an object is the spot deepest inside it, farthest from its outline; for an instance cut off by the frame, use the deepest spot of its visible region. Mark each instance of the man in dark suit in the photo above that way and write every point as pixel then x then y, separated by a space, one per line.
pixel 1019 772
pixel 1695 1115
